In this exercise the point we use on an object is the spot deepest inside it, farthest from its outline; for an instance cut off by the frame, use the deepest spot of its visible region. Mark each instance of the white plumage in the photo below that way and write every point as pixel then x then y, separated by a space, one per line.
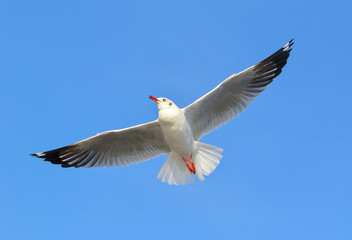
pixel 177 131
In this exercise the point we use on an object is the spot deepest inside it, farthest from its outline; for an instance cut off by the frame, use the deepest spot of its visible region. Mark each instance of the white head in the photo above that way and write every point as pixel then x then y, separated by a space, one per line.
pixel 163 103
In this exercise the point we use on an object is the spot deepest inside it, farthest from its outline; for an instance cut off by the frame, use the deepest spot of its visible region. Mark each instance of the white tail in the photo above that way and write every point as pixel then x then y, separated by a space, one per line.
pixel 205 157
pixel 175 171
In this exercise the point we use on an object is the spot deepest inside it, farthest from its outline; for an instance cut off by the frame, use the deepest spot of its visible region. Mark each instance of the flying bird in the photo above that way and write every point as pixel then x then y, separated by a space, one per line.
pixel 177 132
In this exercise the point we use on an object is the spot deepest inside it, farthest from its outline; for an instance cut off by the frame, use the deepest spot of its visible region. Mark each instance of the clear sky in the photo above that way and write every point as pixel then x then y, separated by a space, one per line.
pixel 71 69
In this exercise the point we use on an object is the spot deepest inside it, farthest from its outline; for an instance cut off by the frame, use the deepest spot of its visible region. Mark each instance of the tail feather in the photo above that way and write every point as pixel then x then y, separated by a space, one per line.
pixel 175 172
pixel 205 157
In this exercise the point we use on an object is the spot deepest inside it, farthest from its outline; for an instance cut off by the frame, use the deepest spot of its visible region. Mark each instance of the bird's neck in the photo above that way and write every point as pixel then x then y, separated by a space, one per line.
pixel 170 115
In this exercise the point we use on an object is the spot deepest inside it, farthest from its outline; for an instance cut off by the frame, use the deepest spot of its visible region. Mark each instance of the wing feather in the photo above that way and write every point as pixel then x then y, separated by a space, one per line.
pixel 234 94
pixel 112 148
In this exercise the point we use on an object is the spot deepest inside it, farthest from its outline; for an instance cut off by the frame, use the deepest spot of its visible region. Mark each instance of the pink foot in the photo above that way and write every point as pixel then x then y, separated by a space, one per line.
pixel 191 167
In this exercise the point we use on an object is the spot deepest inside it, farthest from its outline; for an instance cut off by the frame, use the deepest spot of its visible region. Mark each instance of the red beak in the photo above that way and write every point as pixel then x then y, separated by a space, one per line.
pixel 153 98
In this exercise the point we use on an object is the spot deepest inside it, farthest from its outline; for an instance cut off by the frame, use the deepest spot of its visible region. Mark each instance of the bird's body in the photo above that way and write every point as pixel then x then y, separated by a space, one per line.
pixel 185 153
pixel 177 132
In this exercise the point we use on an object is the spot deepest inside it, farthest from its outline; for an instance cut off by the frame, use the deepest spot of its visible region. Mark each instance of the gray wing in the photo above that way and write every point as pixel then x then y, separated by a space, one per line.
pixel 234 94
pixel 112 148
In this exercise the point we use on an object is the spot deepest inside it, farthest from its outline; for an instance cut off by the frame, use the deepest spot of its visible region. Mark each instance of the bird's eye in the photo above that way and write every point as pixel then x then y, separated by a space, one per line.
pixel 164 100
pixel 170 103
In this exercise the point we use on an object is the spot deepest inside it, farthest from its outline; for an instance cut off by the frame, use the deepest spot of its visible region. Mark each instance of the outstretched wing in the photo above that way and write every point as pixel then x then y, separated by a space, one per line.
pixel 234 94
pixel 112 148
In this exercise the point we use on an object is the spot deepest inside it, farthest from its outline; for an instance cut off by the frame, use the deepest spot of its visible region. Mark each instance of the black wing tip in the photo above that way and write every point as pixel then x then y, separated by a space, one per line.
pixel 291 42
pixel 38 155
pixel 269 68
pixel 287 47
pixel 54 156
pixel 277 59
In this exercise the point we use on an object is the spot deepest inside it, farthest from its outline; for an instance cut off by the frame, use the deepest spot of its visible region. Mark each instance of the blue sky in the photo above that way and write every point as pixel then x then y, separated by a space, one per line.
pixel 71 69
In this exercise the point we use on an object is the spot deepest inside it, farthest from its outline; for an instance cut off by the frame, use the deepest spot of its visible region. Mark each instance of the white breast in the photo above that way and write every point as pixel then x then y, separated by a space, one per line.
pixel 177 132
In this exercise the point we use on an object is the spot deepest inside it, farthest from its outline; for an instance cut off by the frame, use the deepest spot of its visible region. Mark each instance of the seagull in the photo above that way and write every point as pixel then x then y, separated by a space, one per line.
pixel 177 132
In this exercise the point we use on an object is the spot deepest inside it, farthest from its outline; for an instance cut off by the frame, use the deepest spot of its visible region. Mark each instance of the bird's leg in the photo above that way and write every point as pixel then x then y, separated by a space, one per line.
pixel 194 169
pixel 188 166
pixel 191 169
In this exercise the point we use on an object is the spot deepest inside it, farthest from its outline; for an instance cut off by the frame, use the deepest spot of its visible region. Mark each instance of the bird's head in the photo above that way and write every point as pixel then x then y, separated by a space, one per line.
pixel 163 103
